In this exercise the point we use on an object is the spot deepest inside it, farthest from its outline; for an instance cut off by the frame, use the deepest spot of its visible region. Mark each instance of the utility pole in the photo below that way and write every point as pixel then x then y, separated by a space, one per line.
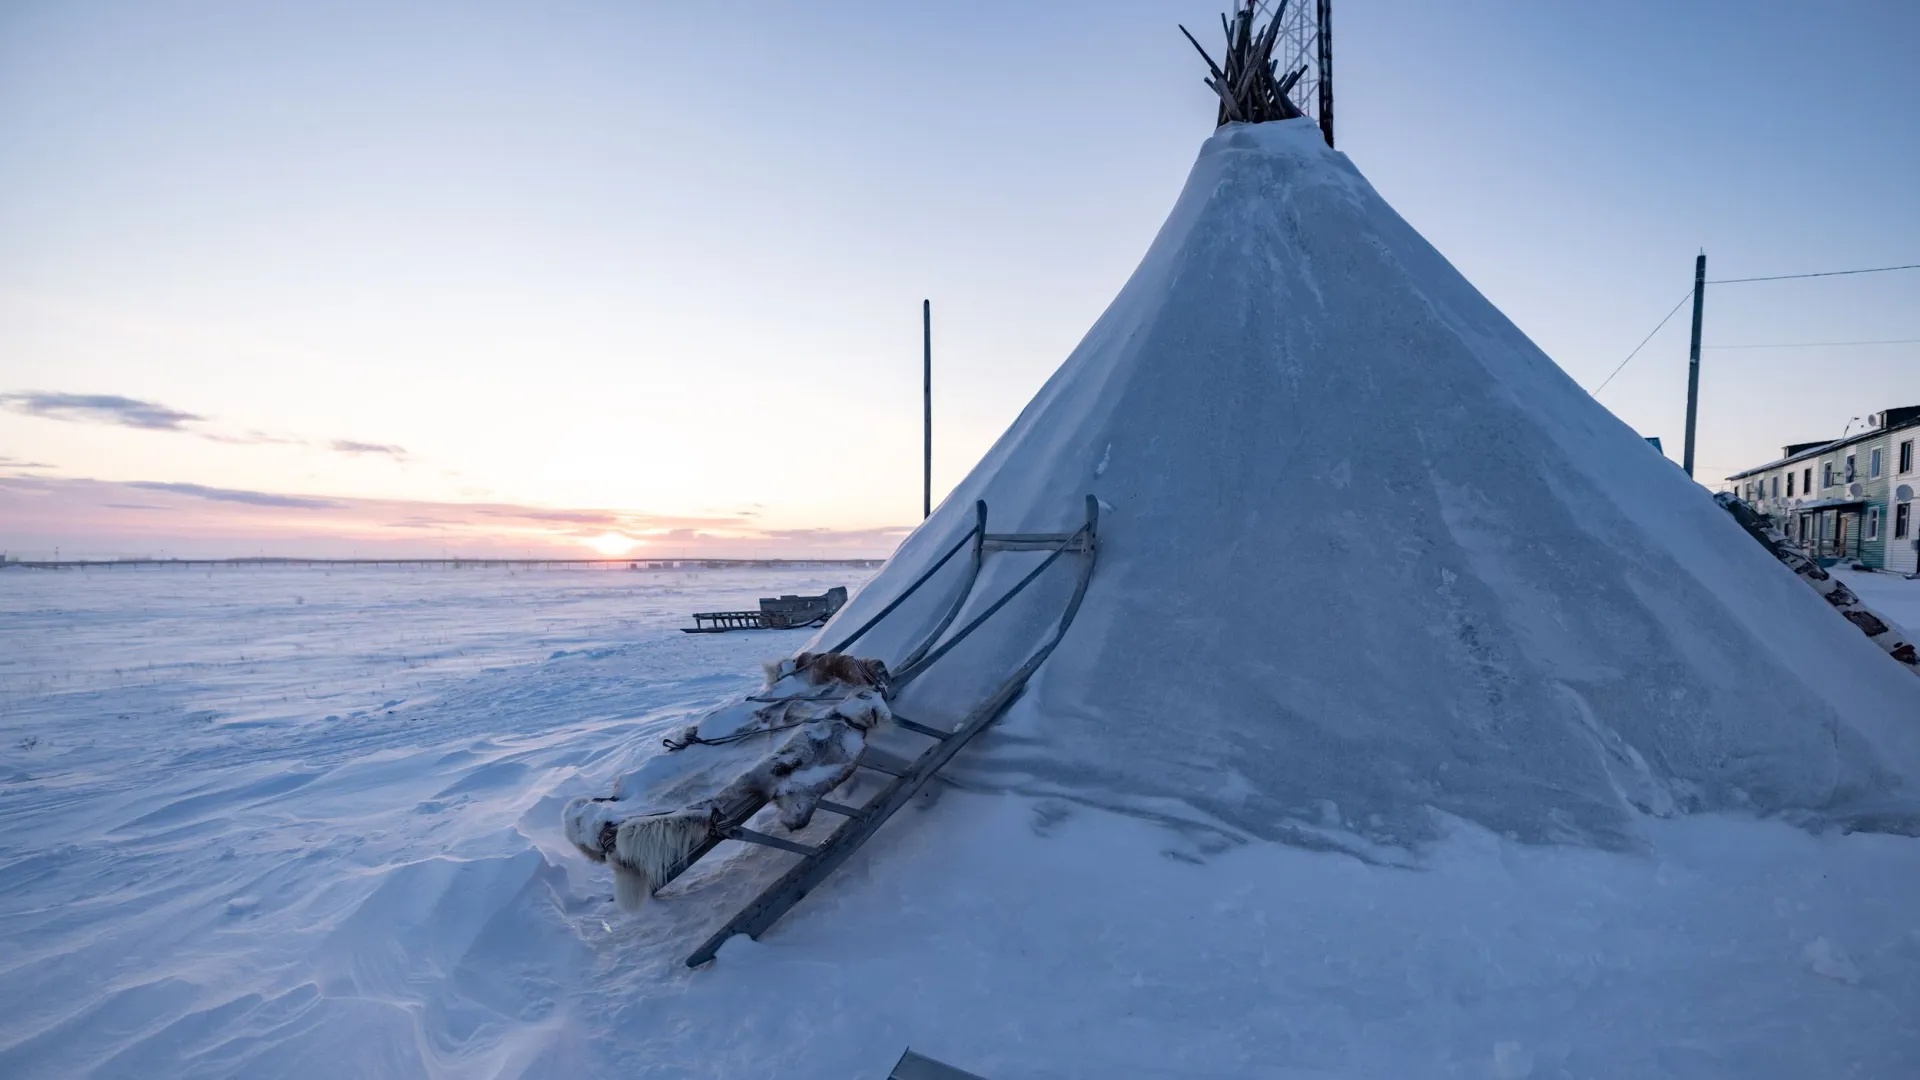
pixel 926 400
pixel 1693 356
pixel 1323 16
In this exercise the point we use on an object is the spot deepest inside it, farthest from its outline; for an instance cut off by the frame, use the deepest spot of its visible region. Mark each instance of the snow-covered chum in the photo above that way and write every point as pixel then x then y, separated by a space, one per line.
pixel 1373 564
pixel 726 766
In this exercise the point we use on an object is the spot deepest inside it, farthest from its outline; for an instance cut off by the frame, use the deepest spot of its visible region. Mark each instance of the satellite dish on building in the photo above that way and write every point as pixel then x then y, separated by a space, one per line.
pixel 1903 493
pixel 1856 490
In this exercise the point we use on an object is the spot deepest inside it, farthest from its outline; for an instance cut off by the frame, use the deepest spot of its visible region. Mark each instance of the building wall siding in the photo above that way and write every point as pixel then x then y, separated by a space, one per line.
pixel 1874 552
pixel 1901 555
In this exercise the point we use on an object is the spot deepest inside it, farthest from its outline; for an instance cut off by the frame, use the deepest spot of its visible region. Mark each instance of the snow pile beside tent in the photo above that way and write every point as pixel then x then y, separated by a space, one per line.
pixel 1371 556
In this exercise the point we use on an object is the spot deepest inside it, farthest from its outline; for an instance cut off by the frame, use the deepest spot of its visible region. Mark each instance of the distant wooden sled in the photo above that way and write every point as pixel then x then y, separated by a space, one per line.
pixel 905 777
pixel 787 612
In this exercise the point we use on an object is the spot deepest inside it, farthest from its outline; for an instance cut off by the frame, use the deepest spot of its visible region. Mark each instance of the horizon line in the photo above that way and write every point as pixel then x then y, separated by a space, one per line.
pixel 656 562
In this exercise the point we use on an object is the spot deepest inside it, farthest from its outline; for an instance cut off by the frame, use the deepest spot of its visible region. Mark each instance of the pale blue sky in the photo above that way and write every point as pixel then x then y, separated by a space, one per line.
pixel 586 255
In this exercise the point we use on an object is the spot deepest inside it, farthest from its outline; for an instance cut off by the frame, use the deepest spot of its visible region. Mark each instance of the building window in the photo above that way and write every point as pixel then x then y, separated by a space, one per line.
pixel 1873 465
pixel 1776 485
pixel 1873 523
pixel 1806 480
pixel 1789 485
pixel 1902 520
pixel 1849 468
pixel 1906 456
pixel 1826 474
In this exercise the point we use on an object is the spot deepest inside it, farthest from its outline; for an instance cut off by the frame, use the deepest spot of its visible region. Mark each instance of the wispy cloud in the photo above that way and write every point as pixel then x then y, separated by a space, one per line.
pixel 121 411
pixel 250 438
pixel 99 409
pixel 561 517
pixel 250 498
pixel 884 536
pixel 348 446
pixel 16 463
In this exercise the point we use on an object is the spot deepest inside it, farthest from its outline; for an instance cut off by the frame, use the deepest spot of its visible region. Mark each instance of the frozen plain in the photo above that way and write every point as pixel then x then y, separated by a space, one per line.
pixel 292 822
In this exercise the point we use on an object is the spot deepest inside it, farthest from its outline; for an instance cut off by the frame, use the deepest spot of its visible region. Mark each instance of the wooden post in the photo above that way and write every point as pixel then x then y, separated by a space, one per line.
pixel 1323 17
pixel 926 400
pixel 1693 358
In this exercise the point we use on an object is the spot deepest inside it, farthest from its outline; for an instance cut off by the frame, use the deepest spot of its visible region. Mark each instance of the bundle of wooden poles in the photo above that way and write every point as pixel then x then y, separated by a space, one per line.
pixel 1250 90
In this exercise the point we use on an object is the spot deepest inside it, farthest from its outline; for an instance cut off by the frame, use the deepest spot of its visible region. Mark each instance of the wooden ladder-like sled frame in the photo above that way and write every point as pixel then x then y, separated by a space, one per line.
pixel 908 777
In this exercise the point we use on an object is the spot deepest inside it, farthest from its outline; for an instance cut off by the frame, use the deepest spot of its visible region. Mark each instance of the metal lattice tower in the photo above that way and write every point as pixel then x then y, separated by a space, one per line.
pixel 1306 39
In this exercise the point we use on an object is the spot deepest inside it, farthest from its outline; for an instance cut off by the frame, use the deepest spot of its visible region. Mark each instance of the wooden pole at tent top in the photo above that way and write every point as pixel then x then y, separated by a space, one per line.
pixel 926 401
pixel 1323 47
pixel 1693 357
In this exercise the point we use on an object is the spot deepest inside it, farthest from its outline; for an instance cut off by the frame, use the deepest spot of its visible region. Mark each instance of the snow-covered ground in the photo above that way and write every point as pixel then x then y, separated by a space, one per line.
pixel 1891 596
pixel 297 823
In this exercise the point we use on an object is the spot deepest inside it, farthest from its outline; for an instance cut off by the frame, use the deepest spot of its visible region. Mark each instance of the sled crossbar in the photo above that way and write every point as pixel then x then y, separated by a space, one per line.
pixel 922 729
pixel 1029 541
pixel 861 822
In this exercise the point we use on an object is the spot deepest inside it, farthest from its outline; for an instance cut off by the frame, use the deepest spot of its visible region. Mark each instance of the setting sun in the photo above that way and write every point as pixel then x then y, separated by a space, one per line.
pixel 612 543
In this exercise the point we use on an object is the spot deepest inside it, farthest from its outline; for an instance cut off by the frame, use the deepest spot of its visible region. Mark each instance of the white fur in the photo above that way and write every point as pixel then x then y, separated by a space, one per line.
pixel 866 710
pixel 583 819
pixel 630 888
pixel 646 848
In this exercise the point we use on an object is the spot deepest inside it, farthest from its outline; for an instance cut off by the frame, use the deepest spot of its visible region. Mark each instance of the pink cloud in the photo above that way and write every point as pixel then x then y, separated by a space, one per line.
pixel 104 519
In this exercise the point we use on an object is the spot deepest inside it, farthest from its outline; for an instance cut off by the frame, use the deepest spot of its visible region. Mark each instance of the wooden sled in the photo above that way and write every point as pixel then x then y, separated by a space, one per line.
pixel 787 612
pixel 904 777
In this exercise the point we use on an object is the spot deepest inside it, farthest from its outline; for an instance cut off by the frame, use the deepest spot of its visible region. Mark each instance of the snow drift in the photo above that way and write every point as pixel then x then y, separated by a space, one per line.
pixel 1369 554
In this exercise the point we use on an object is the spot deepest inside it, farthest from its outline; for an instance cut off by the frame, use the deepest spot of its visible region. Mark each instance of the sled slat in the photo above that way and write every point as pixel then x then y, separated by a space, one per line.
pixel 752 837
pixel 839 808
pixel 882 762
pixel 1035 542
pixel 1032 538
pixel 930 732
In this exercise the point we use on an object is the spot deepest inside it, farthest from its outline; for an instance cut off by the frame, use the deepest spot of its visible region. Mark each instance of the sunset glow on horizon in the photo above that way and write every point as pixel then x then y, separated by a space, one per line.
pixel 613 544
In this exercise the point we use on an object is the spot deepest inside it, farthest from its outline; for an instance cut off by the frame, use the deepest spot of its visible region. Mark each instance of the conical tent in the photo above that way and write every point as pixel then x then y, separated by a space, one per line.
pixel 1369 558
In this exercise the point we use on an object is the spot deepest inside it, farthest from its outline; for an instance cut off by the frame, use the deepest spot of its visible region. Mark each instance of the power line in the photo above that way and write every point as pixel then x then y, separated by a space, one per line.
pixel 1818 344
pixel 1824 273
pixel 1684 297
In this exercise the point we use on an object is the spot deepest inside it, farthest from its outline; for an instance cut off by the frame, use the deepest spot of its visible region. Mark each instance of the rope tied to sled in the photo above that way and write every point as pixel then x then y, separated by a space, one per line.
pixel 692 737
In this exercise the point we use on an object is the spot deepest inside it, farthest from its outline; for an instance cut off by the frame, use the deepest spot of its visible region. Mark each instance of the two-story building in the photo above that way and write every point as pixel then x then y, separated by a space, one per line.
pixel 1850 498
